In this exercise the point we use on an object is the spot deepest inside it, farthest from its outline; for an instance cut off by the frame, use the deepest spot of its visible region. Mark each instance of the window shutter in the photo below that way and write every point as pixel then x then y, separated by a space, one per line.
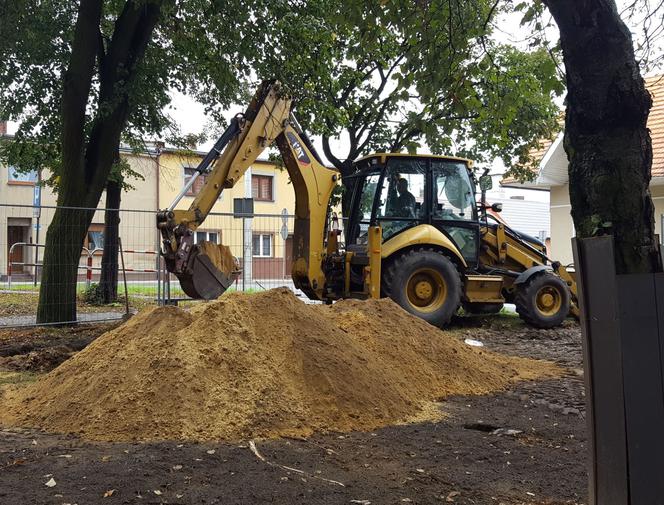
pixel 266 188
pixel 254 187
pixel 198 184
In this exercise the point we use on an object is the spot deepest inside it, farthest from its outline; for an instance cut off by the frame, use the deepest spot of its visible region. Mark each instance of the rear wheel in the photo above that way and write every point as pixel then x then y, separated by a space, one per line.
pixel 543 301
pixel 425 283
pixel 482 308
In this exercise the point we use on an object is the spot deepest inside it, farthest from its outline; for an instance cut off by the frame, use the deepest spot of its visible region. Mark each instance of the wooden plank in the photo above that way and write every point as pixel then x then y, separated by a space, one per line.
pixel 642 379
pixel 598 294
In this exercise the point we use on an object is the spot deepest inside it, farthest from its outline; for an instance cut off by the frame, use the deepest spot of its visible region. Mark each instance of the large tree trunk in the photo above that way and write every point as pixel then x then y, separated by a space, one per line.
pixel 108 282
pixel 87 159
pixel 64 241
pixel 606 139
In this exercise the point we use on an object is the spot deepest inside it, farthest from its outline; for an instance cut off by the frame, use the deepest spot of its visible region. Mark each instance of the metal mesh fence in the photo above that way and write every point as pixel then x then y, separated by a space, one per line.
pixel 262 243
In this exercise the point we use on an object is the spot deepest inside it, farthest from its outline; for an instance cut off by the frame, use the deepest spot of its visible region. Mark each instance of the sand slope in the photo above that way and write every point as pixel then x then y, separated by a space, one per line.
pixel 258 365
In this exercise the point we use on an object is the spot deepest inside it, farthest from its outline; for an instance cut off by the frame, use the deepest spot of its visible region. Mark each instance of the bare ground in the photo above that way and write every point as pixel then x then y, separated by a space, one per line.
pixel 523 446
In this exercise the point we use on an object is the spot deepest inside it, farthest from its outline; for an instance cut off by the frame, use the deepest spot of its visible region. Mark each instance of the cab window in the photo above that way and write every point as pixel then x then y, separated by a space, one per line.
pixel 365 201
pixel 453 193
pixel 402 197
pixel 402 192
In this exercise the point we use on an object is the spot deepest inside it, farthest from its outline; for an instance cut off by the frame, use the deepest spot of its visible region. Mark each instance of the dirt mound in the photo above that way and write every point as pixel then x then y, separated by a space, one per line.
pixel 258 365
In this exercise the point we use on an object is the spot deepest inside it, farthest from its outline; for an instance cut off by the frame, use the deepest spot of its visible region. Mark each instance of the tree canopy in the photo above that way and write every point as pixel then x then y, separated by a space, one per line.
pixel 402 75
pixel 199 49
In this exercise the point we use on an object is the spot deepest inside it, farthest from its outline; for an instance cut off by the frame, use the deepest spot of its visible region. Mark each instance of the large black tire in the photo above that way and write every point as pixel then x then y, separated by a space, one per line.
pixel 543 301
pixel 425 283
pixel 482 308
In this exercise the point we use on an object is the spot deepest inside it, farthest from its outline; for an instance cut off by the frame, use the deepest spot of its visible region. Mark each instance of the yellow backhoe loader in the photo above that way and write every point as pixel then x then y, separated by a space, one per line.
pixel 415 231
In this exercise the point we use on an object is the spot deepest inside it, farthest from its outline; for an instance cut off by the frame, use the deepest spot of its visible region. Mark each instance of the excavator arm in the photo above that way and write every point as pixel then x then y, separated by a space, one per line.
pixel 204 270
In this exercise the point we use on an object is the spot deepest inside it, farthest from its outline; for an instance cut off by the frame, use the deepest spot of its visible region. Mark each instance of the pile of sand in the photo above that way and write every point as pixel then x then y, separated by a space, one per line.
pixel 258 365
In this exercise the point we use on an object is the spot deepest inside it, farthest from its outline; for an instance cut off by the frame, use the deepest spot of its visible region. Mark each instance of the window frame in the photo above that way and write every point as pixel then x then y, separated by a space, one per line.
pixel 257 197
pixel 94 227
pixel 260 241
pixel 207 236
pixel 192 192
pixel 17 182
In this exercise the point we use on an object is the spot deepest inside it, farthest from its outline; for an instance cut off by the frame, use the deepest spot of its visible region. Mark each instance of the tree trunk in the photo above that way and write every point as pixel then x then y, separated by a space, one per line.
pixel 87 159
pixel 606 139
pixel 64 241
pixel 108 282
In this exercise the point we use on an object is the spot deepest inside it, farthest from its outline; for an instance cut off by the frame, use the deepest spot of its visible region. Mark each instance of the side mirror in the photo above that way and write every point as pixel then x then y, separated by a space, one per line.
pixel 497 207
pixel 486 182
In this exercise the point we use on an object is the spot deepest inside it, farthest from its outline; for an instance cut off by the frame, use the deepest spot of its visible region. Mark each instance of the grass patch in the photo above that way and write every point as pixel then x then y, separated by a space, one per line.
pixel 11 378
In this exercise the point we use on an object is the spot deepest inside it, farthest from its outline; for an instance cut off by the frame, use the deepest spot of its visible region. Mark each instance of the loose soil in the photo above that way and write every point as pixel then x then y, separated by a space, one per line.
pixel 260 365
pixel 459 459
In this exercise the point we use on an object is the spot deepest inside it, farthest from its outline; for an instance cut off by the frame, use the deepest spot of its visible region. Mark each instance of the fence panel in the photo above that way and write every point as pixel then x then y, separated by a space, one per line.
pixel 263 244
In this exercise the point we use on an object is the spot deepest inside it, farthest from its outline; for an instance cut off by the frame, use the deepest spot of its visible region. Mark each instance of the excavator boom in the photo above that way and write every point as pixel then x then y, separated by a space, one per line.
pixel 207 270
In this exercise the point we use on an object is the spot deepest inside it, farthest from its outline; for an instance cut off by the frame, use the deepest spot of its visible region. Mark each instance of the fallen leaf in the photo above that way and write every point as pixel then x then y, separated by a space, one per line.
pixel 451 495
pixel 50 483
pixel 109 493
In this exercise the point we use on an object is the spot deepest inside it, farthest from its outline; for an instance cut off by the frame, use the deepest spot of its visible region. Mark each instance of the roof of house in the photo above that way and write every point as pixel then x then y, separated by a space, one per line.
pixel 552 167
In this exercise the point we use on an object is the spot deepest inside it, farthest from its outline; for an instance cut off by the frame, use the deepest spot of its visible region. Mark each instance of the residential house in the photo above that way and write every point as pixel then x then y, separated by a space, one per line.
pixel 163 174
pixel 551 175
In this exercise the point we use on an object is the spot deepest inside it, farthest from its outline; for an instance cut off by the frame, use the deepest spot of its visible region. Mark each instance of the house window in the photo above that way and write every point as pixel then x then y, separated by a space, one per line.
pixel 261 187
pixel 95 238
pixel 262 245
pixel 16 177
pixel 202 236
pixel 198 183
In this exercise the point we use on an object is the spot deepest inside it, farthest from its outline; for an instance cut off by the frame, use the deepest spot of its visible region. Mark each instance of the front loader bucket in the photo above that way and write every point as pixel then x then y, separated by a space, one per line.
pixel 205 278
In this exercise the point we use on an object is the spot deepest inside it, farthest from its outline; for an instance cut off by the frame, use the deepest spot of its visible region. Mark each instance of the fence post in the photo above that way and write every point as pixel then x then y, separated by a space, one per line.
pixel 88 272
pixel 124 276
pixel 622 320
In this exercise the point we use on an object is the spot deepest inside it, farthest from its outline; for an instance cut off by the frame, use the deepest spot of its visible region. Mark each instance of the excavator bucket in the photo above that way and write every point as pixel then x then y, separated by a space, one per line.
pixel 212 270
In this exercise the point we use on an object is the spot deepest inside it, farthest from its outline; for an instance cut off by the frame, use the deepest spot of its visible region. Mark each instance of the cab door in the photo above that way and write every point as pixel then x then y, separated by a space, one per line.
pixel 401 201
pixel 453 207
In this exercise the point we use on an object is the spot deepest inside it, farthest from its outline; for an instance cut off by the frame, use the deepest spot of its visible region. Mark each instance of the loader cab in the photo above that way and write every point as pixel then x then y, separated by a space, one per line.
pixel 400 192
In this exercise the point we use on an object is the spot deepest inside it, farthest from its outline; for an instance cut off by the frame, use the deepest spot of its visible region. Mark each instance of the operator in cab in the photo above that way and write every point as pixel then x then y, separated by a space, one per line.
pixel 403 203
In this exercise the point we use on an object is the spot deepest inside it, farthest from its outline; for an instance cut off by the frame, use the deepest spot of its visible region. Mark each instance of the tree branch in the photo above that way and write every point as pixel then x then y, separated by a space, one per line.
pixel 77 83
pixel 331 157
pixel 132 33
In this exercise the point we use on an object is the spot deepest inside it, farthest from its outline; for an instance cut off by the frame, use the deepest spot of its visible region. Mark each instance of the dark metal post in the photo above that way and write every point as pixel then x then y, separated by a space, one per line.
pixel 124 276
pixel 622 320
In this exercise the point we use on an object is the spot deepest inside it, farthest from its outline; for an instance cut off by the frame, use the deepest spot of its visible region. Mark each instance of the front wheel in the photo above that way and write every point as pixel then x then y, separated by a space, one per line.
pixel 425 283
pixel 543 301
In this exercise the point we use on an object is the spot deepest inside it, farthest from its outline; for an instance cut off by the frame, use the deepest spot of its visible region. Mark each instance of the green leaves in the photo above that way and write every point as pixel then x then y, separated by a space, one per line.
pixel 403 75
pixel 394 75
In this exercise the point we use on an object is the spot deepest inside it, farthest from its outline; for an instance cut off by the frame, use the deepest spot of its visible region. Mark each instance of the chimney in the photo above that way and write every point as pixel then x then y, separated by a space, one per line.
pixel 3 128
